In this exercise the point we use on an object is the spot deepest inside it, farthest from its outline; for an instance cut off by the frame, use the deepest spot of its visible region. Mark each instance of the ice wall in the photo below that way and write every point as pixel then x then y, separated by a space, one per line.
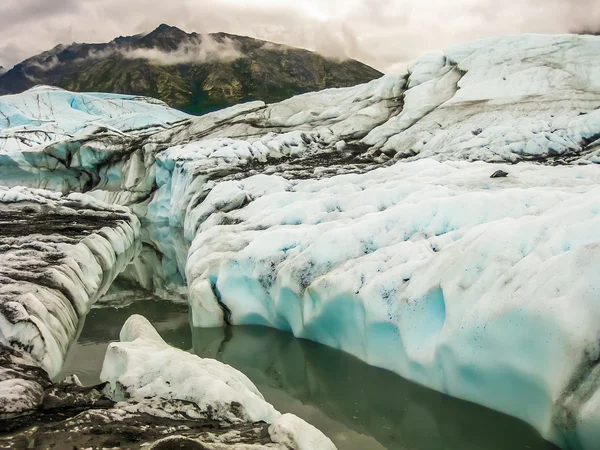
pixel 59 255
pixel 482 288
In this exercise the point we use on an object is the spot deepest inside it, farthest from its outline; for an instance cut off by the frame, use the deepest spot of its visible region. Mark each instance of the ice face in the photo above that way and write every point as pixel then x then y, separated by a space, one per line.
pixel 41 134
pixel 481 288
pixel 59 255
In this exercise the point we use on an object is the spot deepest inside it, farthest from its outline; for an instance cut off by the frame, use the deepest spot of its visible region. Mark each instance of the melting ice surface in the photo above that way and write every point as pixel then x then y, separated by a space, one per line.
pixel 365 218
pixel 356 405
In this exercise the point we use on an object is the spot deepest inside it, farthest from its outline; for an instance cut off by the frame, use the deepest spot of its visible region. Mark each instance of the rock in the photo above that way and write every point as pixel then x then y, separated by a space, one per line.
pixel 178 442
pixel 499 174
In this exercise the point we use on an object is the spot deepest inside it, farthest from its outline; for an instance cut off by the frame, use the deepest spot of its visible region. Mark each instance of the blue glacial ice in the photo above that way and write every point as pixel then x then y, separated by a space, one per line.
pixel 479 288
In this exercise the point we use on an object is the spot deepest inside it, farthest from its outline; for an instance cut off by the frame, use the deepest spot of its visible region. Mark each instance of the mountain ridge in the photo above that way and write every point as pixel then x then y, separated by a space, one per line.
pixel 193 72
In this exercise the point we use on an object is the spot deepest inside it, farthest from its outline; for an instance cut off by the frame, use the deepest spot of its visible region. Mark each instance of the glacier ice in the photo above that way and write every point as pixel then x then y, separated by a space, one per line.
pixel 142 366
pixel 481 288
pixel 44 115
pixel 501 99
pixel 365 218
pixel 59 255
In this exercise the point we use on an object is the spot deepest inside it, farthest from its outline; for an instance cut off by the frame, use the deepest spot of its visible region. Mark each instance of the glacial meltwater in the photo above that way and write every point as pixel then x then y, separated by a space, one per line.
pixel 358 406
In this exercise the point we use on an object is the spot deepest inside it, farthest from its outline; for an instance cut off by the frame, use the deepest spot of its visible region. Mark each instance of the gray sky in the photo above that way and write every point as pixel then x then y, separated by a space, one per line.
pixel 383 33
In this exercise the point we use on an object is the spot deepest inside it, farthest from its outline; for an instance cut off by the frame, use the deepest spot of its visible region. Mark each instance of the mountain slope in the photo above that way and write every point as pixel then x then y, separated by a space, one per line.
pixel 192 72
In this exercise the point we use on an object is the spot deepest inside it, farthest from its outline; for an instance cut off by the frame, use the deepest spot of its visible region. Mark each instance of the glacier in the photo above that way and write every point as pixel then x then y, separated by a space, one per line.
pixel 365 218
pixel 433 270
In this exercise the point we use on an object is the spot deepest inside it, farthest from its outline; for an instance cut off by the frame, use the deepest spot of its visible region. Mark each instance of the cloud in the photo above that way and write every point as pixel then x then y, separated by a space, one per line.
pixel 274 46
pixel 48 64
pixel 204 48
pixel 14 13
pixel 383 33
pixel 197 51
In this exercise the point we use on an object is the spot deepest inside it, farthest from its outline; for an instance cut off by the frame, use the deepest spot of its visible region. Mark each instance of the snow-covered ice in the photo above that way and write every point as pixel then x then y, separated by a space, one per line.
pixel 145 366
pixel 43 115
pixel 142 366
pixel 58 255
pixel 501 99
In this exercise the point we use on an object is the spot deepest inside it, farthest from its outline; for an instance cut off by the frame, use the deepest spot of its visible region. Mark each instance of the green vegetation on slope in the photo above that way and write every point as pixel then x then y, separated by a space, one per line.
pixel 259 71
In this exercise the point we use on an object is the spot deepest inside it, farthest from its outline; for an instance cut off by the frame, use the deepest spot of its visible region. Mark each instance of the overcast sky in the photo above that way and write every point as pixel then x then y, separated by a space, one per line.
pixel 383 33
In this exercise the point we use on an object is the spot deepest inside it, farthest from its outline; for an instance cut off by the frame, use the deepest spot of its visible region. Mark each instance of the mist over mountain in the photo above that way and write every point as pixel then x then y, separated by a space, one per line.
pixel 189 71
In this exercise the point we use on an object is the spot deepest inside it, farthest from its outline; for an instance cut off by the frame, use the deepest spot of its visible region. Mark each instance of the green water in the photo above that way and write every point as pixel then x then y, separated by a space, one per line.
pixel 359 407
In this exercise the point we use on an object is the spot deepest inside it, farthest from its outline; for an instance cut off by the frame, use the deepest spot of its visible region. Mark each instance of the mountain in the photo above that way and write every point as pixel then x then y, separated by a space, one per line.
pixel 2 70
pixel 192 72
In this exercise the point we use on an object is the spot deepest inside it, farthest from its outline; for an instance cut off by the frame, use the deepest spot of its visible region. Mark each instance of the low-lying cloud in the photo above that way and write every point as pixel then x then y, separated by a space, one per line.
pixel 195 51
pixel 48 64
pixel 205 49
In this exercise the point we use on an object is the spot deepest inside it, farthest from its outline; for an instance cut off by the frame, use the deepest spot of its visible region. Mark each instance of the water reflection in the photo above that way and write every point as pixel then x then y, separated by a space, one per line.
pixel 358 406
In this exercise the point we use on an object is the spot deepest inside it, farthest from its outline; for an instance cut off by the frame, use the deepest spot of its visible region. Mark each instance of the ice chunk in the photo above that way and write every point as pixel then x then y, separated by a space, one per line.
pixel 142 366
pixel 294 432
pixel 145 366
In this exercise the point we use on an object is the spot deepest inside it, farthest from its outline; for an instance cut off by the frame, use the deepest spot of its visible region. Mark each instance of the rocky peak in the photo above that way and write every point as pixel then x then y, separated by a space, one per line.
pixel 165 37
